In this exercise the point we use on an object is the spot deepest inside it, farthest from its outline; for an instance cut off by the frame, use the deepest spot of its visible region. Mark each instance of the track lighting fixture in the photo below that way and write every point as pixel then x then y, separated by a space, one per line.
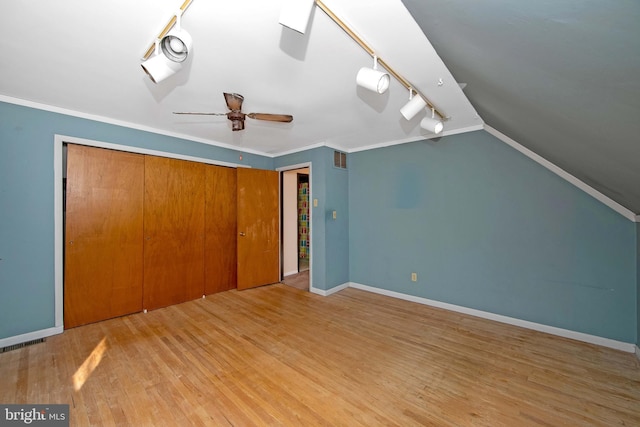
pixel 158 67
pixel 431 123
pixel 176 45
pixel 414 106
pixel 295 14
pixel 169 51
pixel 372 78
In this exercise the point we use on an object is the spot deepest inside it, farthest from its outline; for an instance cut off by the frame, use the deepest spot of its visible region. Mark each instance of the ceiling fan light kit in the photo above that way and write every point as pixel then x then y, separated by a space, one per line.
pixel 237 120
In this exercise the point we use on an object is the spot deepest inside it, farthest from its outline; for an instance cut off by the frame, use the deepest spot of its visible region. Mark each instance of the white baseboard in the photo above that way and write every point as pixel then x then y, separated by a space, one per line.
pixel 579 336
pixel 330 291
pixel 290 273
pixel 35 335
pixel 637 352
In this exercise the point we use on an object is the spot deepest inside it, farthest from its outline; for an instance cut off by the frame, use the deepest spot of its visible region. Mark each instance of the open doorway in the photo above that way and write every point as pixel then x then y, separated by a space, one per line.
pixel 296 227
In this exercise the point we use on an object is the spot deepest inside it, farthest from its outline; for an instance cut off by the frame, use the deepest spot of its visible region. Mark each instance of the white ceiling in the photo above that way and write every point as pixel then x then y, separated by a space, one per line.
pixel 85 57
pixel 560 77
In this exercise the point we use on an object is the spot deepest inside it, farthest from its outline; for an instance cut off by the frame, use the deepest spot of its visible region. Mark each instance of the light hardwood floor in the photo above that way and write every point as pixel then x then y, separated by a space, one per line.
pixel 277 355
pixel 298 280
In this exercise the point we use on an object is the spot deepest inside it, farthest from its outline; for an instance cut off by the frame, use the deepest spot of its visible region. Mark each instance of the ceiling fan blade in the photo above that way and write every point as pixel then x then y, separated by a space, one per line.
pixel 200 114
pixel 234 101
pixel 236 116
pixel 286 118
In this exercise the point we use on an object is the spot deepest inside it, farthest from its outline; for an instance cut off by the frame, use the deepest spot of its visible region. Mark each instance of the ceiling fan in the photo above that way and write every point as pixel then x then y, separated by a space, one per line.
pixel 234 103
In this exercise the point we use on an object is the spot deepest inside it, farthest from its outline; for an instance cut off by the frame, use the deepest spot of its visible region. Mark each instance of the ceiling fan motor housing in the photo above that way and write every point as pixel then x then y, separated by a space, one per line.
pixel 237 120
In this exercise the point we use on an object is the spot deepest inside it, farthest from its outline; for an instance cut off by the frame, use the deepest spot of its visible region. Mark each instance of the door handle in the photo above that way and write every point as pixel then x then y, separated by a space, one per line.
pixel 242 234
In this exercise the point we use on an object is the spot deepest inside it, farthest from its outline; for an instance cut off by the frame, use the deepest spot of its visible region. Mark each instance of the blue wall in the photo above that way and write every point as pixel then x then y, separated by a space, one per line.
pixel 330 238
pixel 485 227
pixel 27 203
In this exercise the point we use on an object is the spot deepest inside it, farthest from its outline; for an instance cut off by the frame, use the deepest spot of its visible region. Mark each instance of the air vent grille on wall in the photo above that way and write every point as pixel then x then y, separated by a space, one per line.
pixel 340 159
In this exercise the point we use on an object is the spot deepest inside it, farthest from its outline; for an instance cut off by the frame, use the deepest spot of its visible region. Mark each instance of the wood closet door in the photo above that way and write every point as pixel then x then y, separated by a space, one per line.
pixel 103 234
pixel 173 231
pixel 220 230
pixel 258 228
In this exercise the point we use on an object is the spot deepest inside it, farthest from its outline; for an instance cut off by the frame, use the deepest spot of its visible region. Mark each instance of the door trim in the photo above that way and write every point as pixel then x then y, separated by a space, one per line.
pixel 311 228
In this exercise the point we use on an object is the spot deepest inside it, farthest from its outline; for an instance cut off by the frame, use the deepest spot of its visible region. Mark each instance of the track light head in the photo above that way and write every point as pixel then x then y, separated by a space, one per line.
pixel 176 45
pixel 295 14
pixel 413 107
pixel 169 50
pixel 373 79
pixel 158 67
pixel 431 123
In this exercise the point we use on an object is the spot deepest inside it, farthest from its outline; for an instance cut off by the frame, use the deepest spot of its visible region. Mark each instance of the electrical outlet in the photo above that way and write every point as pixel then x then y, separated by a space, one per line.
pixel 414 277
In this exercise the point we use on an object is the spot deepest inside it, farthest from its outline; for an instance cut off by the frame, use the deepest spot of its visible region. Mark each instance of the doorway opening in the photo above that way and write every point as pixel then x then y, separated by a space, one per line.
pixel 296 226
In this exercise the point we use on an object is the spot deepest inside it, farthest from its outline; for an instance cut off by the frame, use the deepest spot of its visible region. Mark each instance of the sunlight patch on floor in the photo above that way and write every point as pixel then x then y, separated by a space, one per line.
pixel 89 365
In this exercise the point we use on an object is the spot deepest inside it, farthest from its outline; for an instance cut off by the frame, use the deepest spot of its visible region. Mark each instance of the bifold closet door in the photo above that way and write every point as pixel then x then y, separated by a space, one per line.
pixel 220 229
pixel 173 231
pixel 103 234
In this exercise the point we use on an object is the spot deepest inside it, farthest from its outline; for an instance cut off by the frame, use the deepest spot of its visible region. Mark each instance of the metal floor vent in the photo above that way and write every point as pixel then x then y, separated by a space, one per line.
pixel 23 344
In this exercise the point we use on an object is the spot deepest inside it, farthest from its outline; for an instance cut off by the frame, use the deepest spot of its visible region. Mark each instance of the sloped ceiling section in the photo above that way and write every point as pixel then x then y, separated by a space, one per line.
pixel 562 78
pixel 85 57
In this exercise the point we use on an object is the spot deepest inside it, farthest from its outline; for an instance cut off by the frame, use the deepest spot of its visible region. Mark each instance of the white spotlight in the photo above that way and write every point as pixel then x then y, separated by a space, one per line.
pixel 176 45
pixel 158 67
pixel 373 79
pixel 413 107
pixel 431 123
pixel 170 52
pixel 296 13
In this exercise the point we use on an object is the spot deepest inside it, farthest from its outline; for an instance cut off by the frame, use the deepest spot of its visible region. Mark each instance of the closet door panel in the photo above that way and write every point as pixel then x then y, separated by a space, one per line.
pixel 220 229
pixel 258 227
pixel 173 231
pixel 103 234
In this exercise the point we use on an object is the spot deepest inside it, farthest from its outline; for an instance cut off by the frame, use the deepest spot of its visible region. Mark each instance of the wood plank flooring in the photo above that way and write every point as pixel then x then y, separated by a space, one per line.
pixel 276 355
pixel 298 280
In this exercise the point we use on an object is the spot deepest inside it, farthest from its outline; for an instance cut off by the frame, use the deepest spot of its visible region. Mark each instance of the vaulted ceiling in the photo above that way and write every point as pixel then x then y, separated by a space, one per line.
pixel 562 78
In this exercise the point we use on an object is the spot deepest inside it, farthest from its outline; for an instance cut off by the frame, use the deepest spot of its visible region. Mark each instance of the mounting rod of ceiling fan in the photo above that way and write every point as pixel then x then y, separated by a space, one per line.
pixel 166 29
pixel 371 52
